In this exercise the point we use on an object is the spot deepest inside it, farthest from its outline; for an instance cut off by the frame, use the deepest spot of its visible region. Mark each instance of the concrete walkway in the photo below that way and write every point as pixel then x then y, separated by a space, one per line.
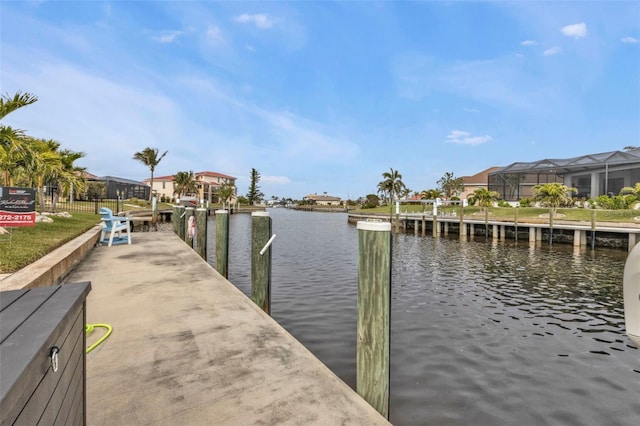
pixel 189 348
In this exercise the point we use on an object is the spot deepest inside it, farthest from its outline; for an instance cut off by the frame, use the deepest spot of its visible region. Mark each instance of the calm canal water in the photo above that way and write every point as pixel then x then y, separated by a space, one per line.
pixel 482 332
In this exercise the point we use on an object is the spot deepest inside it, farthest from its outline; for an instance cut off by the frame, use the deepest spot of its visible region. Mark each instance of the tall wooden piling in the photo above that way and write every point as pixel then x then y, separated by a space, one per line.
pixel 593 229
pixel 174 219
pixel 201 232
pixel 374 313
pixel 188 213
pixel 222 242
pixel 261 263
pixel 550 226
pixel 434 230
pixel 180 222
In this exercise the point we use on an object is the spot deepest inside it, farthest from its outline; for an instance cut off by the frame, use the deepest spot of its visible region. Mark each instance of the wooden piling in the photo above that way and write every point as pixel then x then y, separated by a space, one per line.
pixel 222 242
pixel 201 232
pixel 550 226
pixel 423 226
pixel 188 213
pixel 593 229
pixel 261 264
pixel 434 230
pixel 180 221
pixel 374 307
pixel 174 219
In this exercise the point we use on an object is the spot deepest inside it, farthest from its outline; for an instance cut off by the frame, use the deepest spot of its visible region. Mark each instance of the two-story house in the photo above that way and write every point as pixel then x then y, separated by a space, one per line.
pixel 207 183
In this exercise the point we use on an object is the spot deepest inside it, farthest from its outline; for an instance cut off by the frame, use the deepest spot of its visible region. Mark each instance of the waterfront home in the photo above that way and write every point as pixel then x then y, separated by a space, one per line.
pixel 208 184
pixel 322 200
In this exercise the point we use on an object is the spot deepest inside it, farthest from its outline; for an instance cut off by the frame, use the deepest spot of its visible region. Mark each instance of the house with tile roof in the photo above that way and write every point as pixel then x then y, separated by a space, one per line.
pixel 207 182
pixel 323 200
pixel 477 181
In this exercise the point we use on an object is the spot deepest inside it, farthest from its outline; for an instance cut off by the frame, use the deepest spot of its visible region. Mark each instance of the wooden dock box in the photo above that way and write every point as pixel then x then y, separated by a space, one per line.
pixel 42 355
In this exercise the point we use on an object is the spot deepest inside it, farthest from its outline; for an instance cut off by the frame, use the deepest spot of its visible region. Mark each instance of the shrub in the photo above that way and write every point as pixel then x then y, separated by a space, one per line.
pixel 525 202
pixel 617 202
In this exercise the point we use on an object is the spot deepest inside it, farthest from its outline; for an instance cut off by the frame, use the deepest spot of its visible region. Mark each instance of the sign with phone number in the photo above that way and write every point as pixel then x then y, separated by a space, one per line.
pixel 17 206
pixel 12 219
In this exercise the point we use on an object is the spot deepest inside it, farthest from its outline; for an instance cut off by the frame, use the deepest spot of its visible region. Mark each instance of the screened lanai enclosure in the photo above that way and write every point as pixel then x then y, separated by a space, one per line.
pixel 125 188
pixel 591 175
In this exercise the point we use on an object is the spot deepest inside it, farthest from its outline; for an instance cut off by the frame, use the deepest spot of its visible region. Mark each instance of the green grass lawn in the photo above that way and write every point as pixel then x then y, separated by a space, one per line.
pixel 28 244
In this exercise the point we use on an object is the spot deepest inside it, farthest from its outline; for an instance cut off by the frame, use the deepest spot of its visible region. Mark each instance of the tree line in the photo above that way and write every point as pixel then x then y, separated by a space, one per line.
pixel 35 162
pixel 553 195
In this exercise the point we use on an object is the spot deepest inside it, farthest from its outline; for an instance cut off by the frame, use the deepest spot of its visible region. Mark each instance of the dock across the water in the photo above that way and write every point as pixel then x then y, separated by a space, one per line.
pixel 576 233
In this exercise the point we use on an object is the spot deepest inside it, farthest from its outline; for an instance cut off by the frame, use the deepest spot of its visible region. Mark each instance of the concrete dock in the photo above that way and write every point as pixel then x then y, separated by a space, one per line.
pixel 189 348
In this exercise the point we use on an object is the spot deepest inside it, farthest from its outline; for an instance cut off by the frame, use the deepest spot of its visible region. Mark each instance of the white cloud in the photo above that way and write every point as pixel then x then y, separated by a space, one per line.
pixel 552 51
pixel 465 138
pixel 259 20
pixel 214 35
pixel 575 30
pixel 631 40
pixel 167 36
pixel 529 43
pixel 250 48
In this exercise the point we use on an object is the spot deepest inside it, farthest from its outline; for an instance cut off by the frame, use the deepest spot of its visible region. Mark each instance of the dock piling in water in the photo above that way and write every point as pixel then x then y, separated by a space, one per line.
pixel 179 224
pixel 374 307
pixel 186 237
pixel 201 232
pixel 222 242
pixel 261 263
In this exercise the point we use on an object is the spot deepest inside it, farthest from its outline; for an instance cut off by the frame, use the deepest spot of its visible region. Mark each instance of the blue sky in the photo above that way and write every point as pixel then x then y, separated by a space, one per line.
pixel 324 96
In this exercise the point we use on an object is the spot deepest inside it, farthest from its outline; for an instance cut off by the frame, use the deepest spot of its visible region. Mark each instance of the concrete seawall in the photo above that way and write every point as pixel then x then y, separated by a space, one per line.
pixel 189 348
pixel 53 267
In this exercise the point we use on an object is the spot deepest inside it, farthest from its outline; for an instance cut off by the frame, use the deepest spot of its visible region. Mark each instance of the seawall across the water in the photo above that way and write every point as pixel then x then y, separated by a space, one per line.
pixel 611 235
pixel 189 348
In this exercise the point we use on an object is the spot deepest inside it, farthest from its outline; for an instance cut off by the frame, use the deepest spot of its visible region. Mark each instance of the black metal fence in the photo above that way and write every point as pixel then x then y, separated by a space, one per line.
pixel 90 206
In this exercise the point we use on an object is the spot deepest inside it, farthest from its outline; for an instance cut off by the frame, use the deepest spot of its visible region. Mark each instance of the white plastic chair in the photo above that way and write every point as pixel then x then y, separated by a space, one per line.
pixel 114 225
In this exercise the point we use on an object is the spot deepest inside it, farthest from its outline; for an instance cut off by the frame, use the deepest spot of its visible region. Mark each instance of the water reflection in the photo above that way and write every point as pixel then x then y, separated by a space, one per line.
pixel 483 331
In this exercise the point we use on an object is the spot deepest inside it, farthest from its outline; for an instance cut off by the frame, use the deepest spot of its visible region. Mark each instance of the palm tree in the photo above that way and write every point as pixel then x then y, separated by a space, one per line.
pixel 19 100
pixel 553 195
pixel 149 157
pixel 70 177
pixel 184 183
pixel 430 194
pixel 12 141
pixel 226 191
pixel 391 185
pixel 40 165
pixel 484 198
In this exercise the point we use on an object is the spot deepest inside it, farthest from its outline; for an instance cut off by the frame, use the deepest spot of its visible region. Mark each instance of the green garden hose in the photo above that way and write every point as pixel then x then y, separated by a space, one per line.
pixel 89 328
